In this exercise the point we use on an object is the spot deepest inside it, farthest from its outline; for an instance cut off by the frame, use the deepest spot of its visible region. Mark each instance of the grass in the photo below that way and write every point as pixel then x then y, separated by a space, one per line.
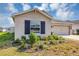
pixel 2 33
pixel 12 52
pixel 5 39
pixel 69 48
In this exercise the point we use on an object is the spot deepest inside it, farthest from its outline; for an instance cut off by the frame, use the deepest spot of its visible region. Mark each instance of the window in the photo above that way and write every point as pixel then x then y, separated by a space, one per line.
pixel 35 26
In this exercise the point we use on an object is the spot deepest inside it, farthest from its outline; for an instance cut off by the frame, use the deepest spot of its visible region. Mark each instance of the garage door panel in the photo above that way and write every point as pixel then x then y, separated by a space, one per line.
pixel 60 30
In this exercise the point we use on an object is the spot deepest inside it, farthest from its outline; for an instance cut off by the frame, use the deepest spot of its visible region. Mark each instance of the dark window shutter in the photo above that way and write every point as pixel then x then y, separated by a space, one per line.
pixel 42 27
pixel 27 26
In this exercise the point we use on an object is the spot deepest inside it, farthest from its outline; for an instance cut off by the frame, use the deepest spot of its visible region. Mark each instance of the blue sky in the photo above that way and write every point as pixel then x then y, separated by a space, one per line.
pixel 60 11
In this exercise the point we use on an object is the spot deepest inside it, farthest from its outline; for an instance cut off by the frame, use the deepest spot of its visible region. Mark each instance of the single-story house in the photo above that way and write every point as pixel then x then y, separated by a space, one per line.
pixel 40 22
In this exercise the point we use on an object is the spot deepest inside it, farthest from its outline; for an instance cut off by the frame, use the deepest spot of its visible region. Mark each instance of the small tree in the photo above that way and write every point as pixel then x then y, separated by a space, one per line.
pixel 33 38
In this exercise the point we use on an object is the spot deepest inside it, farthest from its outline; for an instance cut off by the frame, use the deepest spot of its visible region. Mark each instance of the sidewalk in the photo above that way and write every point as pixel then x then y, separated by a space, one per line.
pixel 74 37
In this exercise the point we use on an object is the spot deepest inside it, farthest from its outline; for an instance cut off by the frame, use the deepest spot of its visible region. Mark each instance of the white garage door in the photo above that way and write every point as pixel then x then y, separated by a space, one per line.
pixel 62 30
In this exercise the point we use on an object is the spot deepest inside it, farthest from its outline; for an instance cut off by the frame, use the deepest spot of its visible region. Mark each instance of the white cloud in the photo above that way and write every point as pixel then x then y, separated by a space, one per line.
pixel 12 8
pixel 64 15
pixel 63 5
pixel 54 6
pixel 26 6
pixel 43 6
pixel 63 11
pixel 6 21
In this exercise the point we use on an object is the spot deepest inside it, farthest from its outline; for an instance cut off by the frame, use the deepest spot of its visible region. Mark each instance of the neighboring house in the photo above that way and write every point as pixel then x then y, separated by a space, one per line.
pixel 40 22
pixel 10 29
pixel 1 29
pixel 75 27
pixel 7 29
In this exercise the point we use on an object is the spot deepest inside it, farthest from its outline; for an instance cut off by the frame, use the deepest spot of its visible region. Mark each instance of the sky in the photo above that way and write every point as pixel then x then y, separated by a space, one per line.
pixel 59 11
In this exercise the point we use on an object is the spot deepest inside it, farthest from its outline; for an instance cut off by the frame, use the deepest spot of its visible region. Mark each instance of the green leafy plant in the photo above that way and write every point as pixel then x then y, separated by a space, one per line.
pixel 23 44
pixel 53 42
pixel 33 38
pixel 50 37
pixel 55 36
pixel 23 38
pixel 23 41
pixel 16 42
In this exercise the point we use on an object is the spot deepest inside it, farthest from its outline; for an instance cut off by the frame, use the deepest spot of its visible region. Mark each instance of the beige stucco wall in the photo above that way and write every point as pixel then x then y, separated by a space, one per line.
pixel 19 23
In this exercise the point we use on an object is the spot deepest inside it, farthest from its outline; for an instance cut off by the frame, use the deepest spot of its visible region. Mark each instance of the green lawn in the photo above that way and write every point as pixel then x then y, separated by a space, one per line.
pixel 70 48
pixel 2 33
pixel 5 37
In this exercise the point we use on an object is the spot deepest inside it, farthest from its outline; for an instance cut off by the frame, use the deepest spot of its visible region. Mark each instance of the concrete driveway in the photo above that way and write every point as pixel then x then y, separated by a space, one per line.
pixel 74 37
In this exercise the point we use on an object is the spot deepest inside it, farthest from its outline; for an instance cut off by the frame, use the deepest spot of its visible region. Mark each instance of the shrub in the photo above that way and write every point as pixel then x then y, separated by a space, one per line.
pixel 16 42
pixel 61 38
pixel 41 47
pixel 21 49
pixel 33 39
pixel 51 37
pixel 39 37
pixel 23 38
pixel 23 44
pixel 55 36
pixel 77 31
pixel 53 42
pixel 46 42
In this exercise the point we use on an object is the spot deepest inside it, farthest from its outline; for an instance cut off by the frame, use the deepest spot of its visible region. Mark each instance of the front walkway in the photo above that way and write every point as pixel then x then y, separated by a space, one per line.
pixel 74 37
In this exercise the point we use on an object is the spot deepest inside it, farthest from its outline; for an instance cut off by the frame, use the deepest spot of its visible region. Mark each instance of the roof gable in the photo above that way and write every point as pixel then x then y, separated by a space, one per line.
pixel 35 10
